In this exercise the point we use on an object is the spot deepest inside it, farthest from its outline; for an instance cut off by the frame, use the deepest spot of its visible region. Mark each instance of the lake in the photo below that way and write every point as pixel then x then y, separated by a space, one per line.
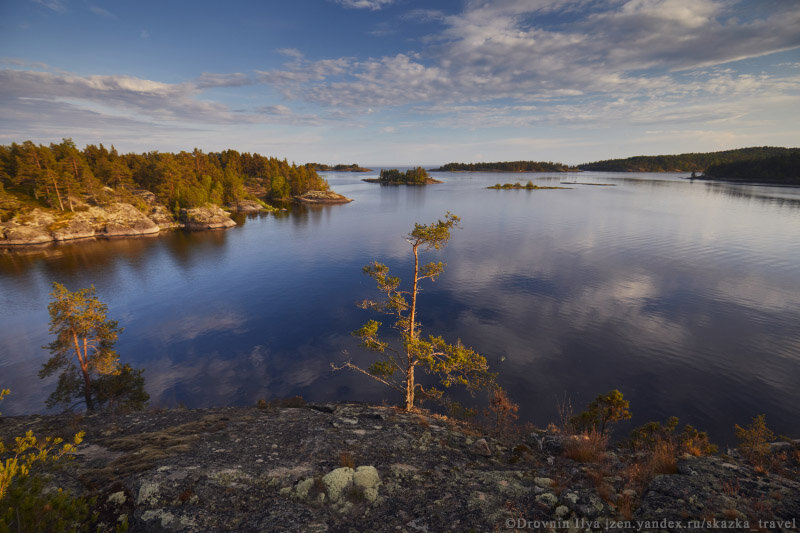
pixel 684 295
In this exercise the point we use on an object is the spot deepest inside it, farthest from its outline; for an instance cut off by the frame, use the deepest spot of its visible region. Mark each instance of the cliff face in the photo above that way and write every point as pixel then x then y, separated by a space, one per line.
pixel 352 467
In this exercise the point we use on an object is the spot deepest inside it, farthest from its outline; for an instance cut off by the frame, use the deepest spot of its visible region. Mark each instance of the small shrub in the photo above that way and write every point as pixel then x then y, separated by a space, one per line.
pixel 294 401
pixel 502 410
pixel 651 435
pixel 28 507
pixel 604 410
pixel 754 440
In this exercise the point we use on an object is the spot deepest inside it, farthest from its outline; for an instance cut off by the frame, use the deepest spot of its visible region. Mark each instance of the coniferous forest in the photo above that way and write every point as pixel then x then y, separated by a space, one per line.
pixel 56 174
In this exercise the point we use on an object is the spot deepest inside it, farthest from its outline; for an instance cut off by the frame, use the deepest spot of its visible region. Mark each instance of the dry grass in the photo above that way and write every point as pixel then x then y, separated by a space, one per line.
pixel 662 460
pixel 625 507
pixel 587 447
pixel 346 459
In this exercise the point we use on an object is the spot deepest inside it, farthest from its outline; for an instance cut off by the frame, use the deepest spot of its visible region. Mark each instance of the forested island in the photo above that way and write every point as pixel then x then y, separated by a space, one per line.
pixel 355 167
pixel 506 166
pixel 414 176
pixel 691 162
pixel 760 164
pixel 782 169
pixel 59 192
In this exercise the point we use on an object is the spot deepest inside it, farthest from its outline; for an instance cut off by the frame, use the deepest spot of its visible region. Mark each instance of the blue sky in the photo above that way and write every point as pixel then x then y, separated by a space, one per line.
pixel 403 82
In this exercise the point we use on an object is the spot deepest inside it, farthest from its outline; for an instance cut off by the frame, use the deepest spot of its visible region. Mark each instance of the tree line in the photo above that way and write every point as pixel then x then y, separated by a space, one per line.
pixel 57 174
pixel 784 168
pixel 690 162
pixel 506 166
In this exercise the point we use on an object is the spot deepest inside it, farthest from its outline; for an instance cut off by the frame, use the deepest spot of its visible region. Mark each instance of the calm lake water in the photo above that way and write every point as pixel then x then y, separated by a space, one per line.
pixel 683 295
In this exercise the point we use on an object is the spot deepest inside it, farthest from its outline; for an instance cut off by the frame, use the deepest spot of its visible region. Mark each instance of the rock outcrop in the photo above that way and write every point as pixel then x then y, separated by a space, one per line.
pixel 208 217
pixel 247 206
pixel 322 197
pixel 354 467
pixel 40 227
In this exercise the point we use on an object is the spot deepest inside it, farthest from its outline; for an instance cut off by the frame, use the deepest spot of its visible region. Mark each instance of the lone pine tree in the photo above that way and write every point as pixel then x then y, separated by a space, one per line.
pixel 86 336
pixel 453 364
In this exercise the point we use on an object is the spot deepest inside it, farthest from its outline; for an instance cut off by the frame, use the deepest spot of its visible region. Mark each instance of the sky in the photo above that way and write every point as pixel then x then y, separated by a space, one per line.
pixel 403 82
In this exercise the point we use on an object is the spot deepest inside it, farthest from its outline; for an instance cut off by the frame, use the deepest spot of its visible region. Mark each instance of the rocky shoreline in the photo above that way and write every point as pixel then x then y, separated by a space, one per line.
pixel 290 466
pixel 119 219
pixel 37 227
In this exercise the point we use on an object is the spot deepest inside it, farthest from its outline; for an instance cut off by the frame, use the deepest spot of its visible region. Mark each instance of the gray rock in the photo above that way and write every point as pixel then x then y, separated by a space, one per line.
pixel 481 447
pixel 208 217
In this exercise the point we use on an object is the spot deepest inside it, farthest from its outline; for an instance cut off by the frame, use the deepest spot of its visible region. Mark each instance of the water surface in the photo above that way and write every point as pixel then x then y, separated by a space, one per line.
pixel 685 295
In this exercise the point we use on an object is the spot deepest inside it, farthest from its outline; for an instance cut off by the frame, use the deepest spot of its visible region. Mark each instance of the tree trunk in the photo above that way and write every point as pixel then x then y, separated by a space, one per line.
pixel 83 361
pixel 412 335
pixel 58 194
pixel 410 388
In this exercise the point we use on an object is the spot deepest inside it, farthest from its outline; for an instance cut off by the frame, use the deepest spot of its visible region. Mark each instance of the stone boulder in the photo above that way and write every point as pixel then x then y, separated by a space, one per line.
pixel 208 217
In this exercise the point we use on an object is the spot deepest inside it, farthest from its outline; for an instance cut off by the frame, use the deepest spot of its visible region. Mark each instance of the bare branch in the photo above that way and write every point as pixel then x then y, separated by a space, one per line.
pixel 350 365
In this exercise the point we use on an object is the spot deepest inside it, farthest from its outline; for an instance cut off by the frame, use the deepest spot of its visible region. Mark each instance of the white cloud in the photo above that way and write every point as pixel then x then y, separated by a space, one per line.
pixel 364 4
pixel 102 12
pixel 146 100
pixel 499 64
pixel 55 5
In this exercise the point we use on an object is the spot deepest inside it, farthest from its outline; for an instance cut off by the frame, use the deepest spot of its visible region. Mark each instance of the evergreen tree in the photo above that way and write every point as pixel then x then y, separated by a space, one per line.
pixel 86 336
pixel 454 364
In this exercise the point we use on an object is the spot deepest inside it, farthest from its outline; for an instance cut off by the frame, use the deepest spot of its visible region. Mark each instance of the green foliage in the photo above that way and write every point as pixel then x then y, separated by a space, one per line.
pixel 605 409
pixel 415 176
pixel 122 390
pixel 506 166
pixel 17 460
pixel 28 507
pixel 453 364
pixel 754 440
pixel 783 168
pixel 653 435
pixel 355 167
pixel 83 351
pixel 697 162
pixel 58 173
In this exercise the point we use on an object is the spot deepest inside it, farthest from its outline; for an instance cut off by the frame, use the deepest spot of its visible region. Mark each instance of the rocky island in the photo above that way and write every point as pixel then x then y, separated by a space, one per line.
pixel 530 186
pixel 322 197
pixel 296 467
pixel 355 167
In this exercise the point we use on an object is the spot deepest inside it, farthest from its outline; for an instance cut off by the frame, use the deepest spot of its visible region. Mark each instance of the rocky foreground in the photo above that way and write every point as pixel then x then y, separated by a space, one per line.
pixel 353 467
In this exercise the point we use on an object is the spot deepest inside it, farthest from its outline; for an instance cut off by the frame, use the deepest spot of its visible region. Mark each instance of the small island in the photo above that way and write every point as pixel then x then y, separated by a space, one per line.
pixel 322 197
pixel 355 167
pixel 415 176
pixel 528 186
pixel 507 166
